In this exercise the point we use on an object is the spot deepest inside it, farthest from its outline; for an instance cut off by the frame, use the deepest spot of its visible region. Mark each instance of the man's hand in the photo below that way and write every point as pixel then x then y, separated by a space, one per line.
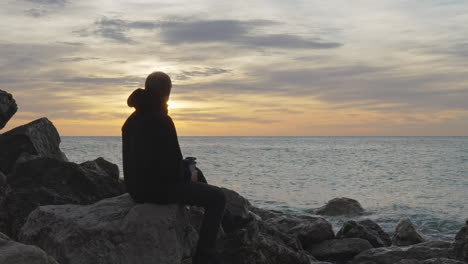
pixel 194 175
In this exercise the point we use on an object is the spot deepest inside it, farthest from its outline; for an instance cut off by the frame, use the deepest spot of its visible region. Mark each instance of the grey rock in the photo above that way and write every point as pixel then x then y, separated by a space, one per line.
pixel 341 206
pixel 36 139
pixel 114 230
pixel 406 234
pixel 430 261
pixel 436 244
pixel 391 255
pixel 12 252
pixel 265 214
pixel 367 230
pixel 8 108
pixel 460 246
pixel 236 204
pixel 339 249
pixel 46 181
pixel 102 167
pixel 254 244
pixel 308 230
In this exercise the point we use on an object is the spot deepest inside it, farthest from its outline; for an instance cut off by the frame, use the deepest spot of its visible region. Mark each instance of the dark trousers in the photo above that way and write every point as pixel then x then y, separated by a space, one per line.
pixel 200 193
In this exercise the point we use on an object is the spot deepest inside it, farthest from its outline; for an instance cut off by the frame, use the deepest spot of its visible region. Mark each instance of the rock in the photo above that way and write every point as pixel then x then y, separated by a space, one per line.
pixel 430 261
pixel 102 167
pixel 460 246
pixel 436 244
pixel 341 206
pixel 307 229
pixel 367 230
pixel 8 108
pixel 114 230
pixel 406 234
pixel 391 255
pixel 36 139
pixel 12 252
pixel 236 204
pixel 264 213
pixel 46 181
pixel 255 245
pixel 339 249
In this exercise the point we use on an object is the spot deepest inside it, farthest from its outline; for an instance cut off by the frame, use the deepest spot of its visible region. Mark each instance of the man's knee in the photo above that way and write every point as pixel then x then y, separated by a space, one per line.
pixel 219 198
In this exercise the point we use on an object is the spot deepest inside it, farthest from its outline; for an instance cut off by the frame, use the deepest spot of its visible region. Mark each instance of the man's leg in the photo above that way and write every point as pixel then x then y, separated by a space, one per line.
pixel 211 198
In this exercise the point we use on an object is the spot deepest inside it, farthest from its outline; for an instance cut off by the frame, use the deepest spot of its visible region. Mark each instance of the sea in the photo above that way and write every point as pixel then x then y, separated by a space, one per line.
pixel 421 178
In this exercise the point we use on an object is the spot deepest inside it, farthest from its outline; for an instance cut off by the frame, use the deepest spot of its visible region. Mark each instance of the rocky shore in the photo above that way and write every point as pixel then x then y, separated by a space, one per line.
pixel 56 211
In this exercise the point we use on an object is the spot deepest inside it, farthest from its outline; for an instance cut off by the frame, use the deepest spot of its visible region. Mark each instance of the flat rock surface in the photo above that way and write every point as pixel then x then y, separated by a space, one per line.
pixel 114 230
pixel 12 252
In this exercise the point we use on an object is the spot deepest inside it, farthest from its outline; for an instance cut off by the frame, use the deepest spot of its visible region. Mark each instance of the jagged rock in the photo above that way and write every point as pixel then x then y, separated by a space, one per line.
pixel 12 252
pixel 264 214
pixel 8 108
pixel 102 167
pixel 307 229
pixel 460 247
pixel 406 234
pixel 46 181
pixel 430 261
pixel 341 206
pixel 339 249
pixel 391 255
pixel 36 139
pixel 236 204
pixel 367 230
pixel 114 230
pixel 255 245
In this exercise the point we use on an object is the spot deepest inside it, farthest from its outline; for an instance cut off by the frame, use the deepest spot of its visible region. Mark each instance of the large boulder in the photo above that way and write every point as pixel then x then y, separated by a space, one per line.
pixel 406 234
pixel 12 252
pixel 341 206
pixel 114 230
pixel 257 243
pixel 47 181
pixel 307 229
pixel 8 108
pixel 461 244
pixel 36 139
pixel 339 249
pixel 365 229
pixel 391 255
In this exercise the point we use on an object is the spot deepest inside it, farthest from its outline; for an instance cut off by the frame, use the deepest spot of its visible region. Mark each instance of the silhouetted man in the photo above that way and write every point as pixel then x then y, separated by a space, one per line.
pixel 154 169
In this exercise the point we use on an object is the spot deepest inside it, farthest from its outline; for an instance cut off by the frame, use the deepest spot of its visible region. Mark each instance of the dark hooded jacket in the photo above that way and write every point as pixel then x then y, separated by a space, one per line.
pixel 151 153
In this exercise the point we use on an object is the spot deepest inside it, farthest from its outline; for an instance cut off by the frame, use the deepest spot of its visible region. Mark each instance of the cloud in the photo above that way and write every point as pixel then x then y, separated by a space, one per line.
pixel 239 33
pixel 36 12
pixel 200 72
pixel 48 2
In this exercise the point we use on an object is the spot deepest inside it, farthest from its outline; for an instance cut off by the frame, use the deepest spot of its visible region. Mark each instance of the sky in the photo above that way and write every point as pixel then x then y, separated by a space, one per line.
pixel 242 68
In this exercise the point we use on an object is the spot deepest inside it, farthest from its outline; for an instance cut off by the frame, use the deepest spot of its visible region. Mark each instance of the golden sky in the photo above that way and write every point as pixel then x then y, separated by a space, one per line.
pixel 256 68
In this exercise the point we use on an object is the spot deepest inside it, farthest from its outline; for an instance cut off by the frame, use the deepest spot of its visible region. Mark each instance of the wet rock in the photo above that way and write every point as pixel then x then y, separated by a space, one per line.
pixel 406 234
pixel 255 245
pixel 366 229
pixel 308 230
pixel 460 246
pixel 8 108
pixel 341 206
pixel 114 230
pixel 36 139
pixel 46 181
pixel 12 252
pixel 339 249
pixel 265 214
pixel 391 255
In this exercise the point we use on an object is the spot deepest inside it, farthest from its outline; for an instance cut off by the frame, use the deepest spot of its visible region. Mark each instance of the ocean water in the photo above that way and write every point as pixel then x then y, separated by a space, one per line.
pixel 423 178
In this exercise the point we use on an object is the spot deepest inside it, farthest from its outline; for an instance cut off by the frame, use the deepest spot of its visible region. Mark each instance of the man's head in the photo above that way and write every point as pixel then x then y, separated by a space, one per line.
pixel 158 85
